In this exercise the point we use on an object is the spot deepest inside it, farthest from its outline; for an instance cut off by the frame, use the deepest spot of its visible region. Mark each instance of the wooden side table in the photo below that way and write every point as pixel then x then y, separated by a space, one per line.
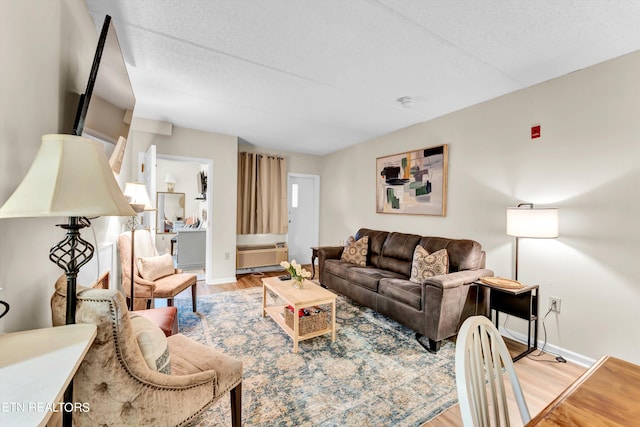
pixel 314 255
pixel 521 303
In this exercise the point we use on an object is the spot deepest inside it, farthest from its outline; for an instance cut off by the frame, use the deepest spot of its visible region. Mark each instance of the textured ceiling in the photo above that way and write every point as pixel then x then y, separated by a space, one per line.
pixel 317 76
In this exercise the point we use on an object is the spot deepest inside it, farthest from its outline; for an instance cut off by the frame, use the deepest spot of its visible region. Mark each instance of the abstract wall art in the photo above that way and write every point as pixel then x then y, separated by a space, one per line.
pixel 414 182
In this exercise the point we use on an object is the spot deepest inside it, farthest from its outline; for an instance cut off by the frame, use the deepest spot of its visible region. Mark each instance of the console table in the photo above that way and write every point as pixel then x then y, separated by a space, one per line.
pixel 521 303
pixel 36 367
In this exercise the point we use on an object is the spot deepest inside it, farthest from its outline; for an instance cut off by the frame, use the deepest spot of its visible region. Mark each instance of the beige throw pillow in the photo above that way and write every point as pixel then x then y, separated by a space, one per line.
pixel 155 267
pixel 427 265
pixel 152 342
pixel 356 251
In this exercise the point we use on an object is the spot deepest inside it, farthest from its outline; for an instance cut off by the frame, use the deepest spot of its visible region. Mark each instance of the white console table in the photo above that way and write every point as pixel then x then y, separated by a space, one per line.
pixel 192 249
pixel 36 367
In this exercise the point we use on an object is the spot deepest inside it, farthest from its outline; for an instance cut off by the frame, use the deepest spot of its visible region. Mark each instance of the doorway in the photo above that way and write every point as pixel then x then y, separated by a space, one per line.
pixel 197 204
pixel 303 201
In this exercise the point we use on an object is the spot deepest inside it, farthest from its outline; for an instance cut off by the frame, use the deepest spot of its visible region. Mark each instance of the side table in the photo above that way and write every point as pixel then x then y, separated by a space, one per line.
pixel 521 303
pixel 314 255
pixel 36 367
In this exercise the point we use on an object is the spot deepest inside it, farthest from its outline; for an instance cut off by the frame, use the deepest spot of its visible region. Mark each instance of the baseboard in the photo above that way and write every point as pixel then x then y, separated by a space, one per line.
pixel 569 355
pixel 222 281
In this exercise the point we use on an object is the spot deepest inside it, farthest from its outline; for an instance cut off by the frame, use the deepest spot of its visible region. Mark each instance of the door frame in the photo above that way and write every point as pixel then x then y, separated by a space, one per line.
pixel 316 201
pixel 209 239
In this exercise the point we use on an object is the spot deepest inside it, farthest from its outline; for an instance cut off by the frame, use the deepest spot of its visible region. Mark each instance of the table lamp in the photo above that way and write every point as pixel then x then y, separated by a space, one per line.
pixel 530 222
pixel 70 177
pixel 139 201
pixel 170 180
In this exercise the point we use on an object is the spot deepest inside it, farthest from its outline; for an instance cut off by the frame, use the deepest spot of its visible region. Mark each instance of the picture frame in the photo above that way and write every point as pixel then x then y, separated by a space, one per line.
pixel 413 182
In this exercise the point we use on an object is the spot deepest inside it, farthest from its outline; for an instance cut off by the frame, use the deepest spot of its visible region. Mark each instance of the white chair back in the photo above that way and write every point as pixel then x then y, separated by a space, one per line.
pixel 481 357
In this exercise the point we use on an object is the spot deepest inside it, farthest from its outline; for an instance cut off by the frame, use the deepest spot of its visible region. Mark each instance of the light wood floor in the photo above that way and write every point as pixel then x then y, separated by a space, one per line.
pixel 541 377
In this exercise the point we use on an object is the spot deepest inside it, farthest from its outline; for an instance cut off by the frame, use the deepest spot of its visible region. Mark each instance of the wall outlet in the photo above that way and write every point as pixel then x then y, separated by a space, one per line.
pixel 554 304
pixel 227 255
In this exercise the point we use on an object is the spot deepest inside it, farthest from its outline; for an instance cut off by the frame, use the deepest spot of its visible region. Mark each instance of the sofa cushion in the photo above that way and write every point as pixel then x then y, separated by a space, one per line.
pixel 376 240
pixel 427 265
pixel 463 254
pixel 338 267
pixel 355 251
pixel 369 277
pixel 403 291
pixel 397 252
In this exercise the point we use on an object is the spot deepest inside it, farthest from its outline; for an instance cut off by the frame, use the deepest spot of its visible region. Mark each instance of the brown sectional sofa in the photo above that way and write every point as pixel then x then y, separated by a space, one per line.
pixel 434 308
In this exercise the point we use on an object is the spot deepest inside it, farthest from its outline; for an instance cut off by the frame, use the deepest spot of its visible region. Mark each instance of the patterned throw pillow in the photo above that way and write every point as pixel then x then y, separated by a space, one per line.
pixel 152 342
pixel 427 265
pixel 355 251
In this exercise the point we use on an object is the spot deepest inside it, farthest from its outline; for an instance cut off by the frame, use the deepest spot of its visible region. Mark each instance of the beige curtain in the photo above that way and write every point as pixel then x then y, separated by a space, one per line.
pixel 262 194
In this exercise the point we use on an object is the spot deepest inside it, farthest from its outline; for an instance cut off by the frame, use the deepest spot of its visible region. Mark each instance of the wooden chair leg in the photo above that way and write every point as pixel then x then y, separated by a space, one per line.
pixel 169 302
pixel 193 297
pixel 236 406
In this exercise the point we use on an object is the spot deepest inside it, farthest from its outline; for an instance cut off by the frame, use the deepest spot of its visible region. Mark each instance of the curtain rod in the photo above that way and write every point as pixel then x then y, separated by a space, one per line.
pixel 275 156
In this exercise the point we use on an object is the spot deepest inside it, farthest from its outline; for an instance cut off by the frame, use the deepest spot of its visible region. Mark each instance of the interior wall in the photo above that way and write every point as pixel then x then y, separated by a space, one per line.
pixel 223 151
pixel 586 163
pixel 46 48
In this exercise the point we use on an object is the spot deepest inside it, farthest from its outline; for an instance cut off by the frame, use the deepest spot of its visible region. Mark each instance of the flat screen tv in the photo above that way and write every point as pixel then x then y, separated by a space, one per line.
pixel 105 108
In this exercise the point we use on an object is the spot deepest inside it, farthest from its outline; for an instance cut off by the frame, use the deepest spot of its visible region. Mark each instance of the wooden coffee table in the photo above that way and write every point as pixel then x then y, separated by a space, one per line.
pixel 310 295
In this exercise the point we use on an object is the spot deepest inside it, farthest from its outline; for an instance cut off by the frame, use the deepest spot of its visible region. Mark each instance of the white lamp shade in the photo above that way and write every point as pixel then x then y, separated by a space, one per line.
pixel 70 176
pixel 535 222
pixel 138 197
pixel 170 179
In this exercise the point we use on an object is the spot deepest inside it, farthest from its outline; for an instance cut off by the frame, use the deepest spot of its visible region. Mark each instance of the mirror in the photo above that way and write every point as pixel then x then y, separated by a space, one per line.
pixel 170 212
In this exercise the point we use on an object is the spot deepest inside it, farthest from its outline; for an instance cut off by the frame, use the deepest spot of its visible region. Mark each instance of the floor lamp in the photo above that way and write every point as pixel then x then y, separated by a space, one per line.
pixel 70 177
pixel 138 198
pixel 530 222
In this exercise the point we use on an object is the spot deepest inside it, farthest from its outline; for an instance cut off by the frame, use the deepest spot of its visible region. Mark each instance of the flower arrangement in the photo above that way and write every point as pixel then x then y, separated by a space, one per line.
pixel 297 273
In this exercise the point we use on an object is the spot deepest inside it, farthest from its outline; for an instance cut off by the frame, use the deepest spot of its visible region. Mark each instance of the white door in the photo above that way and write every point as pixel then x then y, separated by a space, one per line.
pixel 147 175
pixel 304 215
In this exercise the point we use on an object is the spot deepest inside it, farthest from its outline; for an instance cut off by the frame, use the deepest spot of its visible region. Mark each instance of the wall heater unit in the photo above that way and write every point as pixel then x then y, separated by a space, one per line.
pixel 250 256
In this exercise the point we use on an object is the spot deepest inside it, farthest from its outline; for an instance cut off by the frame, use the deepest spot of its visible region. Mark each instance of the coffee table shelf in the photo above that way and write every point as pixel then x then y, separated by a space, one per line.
pixel 309 296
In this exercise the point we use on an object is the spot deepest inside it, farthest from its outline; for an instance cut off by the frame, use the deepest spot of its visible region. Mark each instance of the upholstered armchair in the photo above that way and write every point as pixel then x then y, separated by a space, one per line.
pixel 117 382
pixel 166 286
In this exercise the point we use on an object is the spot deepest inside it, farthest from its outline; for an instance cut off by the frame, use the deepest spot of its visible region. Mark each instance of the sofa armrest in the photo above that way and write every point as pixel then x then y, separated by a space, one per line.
pixel 448 300
pixel 459 278
pixel 325 253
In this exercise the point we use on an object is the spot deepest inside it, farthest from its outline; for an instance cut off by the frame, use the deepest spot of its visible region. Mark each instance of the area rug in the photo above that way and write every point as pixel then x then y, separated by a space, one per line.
pixel 374 374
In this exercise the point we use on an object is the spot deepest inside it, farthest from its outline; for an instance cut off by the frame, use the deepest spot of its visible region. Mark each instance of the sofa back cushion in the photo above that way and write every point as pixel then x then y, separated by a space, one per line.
pixel 463 254
pixel 397 252
pixel 376 240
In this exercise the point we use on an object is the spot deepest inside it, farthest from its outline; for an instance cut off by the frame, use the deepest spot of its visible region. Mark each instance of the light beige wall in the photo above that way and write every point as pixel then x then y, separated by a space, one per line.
pixel 46 50
pixel 223 151
pixel 296 162
pixel 587 163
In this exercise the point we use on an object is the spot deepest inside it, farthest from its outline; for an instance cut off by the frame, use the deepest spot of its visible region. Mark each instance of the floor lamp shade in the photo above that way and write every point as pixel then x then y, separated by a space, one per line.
pixel 527 221
pixel 138 197
pixel 532 222
pixel 70 176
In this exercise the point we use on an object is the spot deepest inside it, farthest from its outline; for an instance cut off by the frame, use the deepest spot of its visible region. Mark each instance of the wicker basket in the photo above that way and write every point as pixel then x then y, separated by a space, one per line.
pixel 307 324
